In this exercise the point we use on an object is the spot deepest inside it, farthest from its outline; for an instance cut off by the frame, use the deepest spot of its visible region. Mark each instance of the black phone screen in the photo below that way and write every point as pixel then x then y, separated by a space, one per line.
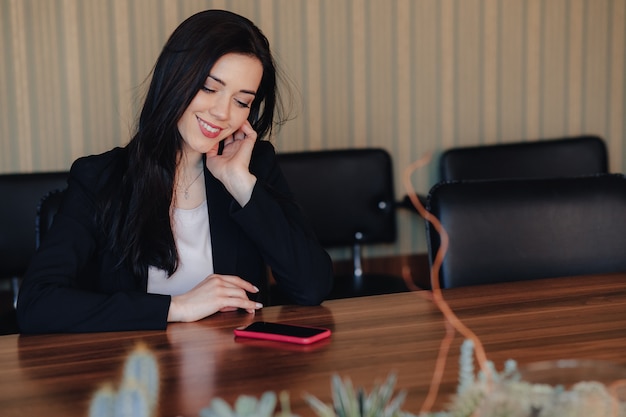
pixel 284 329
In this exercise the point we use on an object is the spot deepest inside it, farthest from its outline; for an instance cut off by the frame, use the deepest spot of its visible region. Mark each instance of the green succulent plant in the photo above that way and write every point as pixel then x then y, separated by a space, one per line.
pixel 351 402
pixel 138 391
pixel 347 402
pixel 248 406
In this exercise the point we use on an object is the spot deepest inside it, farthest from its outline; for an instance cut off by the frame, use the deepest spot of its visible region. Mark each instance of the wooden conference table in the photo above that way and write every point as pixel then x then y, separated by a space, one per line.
pixel 583 318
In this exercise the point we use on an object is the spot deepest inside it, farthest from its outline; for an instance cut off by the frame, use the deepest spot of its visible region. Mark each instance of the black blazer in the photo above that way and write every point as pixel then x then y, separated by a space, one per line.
pixel 74 285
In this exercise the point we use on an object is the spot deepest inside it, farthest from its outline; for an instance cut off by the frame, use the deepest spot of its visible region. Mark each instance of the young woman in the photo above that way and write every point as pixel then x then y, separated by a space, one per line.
pixel 182 222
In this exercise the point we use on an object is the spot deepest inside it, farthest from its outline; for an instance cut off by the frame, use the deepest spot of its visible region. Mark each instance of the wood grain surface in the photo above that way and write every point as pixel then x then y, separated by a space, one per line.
pixel 578 318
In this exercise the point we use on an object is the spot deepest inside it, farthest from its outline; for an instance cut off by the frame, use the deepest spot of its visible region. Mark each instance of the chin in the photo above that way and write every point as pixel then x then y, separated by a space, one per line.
pixel 206 146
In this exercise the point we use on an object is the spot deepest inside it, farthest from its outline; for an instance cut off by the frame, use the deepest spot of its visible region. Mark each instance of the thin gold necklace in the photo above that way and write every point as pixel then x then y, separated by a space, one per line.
pixel 186 189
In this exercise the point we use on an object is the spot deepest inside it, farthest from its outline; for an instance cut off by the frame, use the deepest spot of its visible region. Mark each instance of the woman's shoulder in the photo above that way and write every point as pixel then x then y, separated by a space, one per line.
pixel 95 169
pixel 263 161
pixel 263 149
pixel 100 161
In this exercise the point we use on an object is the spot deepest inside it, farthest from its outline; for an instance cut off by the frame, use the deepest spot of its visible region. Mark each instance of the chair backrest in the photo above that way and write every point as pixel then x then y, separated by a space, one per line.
pixel 21 195
pixel 576 156
pixel 347 194
pixel 46 210
pixel 509 230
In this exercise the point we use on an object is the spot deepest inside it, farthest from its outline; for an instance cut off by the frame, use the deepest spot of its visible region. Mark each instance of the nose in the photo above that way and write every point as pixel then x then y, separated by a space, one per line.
pixel 220 108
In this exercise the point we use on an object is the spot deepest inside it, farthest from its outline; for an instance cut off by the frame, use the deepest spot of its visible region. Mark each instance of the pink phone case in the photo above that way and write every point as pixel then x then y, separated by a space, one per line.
pixel 280 332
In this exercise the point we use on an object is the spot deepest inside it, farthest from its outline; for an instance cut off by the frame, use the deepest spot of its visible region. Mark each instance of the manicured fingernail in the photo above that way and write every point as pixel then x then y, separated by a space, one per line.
pixel 259 305
pixel 256 289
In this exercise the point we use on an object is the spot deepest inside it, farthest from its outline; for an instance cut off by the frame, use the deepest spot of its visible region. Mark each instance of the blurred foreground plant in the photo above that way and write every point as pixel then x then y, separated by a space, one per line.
pixel 486 393
pixel 248 406
pixel 138 391
pixel 505 394
pixel 351 402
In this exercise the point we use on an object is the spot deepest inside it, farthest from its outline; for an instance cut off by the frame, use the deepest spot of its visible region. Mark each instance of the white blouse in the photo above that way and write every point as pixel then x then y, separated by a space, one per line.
pixel 195 255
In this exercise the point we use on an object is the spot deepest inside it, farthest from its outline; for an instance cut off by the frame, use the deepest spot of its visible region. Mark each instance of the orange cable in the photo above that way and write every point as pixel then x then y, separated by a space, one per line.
pixel 437 294
pixel 440 366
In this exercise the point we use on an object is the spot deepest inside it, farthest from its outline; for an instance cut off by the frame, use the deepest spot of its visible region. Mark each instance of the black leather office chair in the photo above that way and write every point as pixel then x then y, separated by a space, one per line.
pixel 46 210
pixel 348 195
pixel 521 229
pixel 575 156
pixel 21 195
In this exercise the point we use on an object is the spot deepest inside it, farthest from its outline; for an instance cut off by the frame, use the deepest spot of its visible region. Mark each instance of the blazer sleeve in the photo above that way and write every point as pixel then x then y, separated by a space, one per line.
pixel 72 283
pixel 274 222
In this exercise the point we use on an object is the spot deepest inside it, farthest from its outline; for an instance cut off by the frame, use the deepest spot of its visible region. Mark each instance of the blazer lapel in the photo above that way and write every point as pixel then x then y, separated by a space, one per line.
pixel 224 232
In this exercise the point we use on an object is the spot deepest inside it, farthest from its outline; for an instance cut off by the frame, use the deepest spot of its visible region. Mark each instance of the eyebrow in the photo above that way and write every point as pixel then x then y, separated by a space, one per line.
pixel 224 84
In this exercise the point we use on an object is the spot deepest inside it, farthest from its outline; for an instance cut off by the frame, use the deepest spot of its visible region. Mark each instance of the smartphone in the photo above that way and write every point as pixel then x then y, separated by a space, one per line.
pixel 280 332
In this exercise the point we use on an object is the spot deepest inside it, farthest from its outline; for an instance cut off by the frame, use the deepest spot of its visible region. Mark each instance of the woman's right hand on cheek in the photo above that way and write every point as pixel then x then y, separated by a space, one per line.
pixel 215 293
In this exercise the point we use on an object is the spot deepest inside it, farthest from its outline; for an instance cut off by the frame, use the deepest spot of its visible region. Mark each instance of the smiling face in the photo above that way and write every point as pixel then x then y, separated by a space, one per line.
pixel 222 105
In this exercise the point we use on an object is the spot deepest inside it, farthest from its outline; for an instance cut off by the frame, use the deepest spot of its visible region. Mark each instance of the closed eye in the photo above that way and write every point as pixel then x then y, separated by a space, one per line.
pixel 242 104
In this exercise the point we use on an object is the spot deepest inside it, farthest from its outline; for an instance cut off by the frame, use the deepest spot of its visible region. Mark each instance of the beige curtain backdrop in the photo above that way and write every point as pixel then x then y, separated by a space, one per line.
pixel 411 76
